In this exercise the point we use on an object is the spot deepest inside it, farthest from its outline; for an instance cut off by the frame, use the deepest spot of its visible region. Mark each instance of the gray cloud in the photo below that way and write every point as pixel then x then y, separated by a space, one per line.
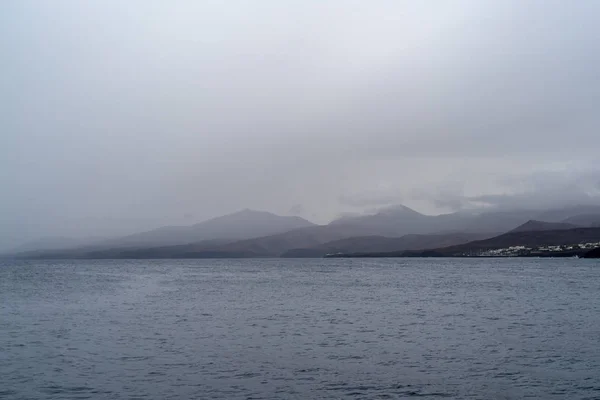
pixel 567 185
pixel 120 116
pixel 548 189
pixel 370 199
pixel 448 196
pixel 297 209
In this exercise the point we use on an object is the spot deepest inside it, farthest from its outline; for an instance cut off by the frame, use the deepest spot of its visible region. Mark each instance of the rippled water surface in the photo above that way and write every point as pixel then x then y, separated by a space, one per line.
pixel 300 329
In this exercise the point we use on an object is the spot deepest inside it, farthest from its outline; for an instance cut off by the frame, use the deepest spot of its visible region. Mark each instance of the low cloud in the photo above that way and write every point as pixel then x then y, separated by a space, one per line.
pixel 297 209
pixel 548 189
pixel 545 189
pixel 370 199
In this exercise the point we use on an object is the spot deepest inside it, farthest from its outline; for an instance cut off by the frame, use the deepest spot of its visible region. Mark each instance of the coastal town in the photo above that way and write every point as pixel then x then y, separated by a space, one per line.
pixel 541 251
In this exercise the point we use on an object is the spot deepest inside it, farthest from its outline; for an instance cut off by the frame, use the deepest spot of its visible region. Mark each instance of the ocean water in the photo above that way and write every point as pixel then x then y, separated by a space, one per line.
pixel 300 329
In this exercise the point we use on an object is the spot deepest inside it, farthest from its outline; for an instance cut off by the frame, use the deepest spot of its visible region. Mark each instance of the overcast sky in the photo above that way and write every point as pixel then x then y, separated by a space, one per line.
pixel 117 116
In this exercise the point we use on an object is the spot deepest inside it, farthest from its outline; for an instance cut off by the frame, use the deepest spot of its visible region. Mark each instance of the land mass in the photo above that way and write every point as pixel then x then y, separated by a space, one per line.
pixel 396 231
pixel 553 243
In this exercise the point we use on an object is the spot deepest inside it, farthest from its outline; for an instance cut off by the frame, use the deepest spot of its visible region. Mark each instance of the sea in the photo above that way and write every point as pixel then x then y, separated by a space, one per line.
pixel 300 329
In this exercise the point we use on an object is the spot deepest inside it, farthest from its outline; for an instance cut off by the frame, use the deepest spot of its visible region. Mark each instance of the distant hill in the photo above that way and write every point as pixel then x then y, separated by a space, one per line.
pixel 394 222
pixel 386 244
pixel 528 239
pixel 271 246
pixel 275 245
pixel 400 220
pixel 533 226
pixel 240 225
pixel 261 234
pixel 208 234
pixel 266 246
pixel 504 221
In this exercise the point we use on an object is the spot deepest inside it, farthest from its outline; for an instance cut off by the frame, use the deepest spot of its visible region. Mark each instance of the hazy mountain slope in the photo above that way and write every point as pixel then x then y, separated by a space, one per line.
pixel 528 239
pixel 275 245
pixel 397 221
pixel 490 221
pixel 256 234
pixel 278 245
pixel 392 222
pixel 266 246
pixel 240 225
pixel 504 221
pixel 383 244
pixel 400 220
pixel 533 225
pixel 237 226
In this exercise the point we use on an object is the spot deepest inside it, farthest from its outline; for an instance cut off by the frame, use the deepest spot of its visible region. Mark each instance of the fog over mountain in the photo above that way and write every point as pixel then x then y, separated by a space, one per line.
pixel 251 233
pixel 122 117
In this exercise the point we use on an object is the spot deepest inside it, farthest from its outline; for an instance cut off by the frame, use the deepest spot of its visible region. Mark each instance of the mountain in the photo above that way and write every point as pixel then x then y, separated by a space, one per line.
pixel 365 244
pixel 530 239
pixel 533 225
pixel 275 245
pixel 271 246
pixel 401 220
pixel 279 235
pixel 394 221
pixel 260 234
pixel 266 246
pixel 212 233
pixel 504 221
pixel 240 225
pixel 527 239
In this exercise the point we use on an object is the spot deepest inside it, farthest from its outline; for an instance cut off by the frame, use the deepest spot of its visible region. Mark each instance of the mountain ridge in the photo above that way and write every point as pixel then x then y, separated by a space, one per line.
pixel 534 225
pixel 239 234
pixel 238 225
pixel 558 237
pixel 382 243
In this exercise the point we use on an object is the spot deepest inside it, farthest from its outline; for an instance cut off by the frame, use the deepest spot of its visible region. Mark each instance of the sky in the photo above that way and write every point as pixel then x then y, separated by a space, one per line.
pixel 121 116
